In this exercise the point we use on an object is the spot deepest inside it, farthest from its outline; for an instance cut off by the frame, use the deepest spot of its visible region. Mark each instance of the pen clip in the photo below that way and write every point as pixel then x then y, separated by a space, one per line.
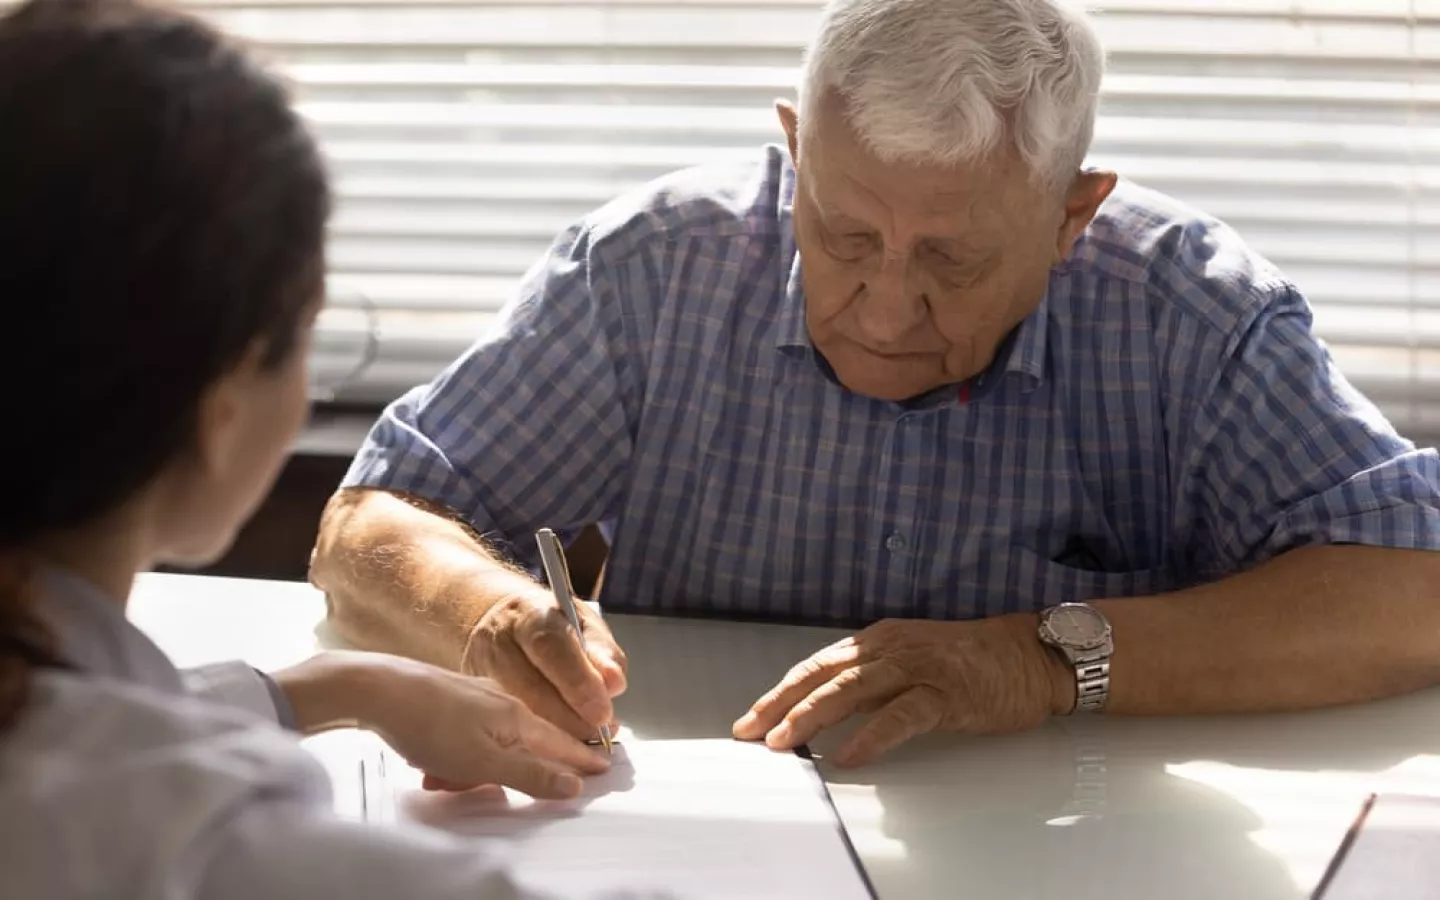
pixel 558 563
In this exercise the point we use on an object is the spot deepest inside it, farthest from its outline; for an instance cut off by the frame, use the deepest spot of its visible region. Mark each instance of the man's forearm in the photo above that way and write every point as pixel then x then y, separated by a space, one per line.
pixel 405 580
pixel 1314 627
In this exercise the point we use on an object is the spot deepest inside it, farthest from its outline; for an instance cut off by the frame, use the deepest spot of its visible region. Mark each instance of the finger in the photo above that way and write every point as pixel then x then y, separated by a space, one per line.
pixel 544 739
pixel 767 712
pixel 540 778
pixel 435 783
pixel 552 647
pixel 835 701
pixel 605 654
pixel 441 785
pixel 608 661
pixel 914 712
pixel 507 664
pixel 541 698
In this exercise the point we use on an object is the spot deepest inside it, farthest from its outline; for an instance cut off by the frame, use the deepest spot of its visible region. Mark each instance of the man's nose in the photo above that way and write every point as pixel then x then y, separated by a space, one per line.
pixel 892 306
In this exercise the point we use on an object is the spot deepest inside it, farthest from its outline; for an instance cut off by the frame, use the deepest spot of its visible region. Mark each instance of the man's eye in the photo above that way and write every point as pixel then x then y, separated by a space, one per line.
pixel 855 245
pixel 942 258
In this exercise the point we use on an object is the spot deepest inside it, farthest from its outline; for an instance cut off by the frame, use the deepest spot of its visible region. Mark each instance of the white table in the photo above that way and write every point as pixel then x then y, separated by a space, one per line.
pixel 1110 809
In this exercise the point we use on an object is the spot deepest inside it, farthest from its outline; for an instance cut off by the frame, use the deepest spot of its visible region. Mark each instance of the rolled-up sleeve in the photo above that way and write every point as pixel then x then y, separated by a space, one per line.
pixel 533 424
pixel 1288 453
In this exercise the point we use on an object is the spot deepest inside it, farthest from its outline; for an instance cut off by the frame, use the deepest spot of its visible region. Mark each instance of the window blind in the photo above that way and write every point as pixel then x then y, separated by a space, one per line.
pixel 464 134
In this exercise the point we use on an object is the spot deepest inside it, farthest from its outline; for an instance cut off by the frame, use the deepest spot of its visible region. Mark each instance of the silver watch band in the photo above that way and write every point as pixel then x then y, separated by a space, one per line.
pixel 1092 683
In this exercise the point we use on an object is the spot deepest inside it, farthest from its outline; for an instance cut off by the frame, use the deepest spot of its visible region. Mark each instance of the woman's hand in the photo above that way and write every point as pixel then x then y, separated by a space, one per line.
pixel 461 731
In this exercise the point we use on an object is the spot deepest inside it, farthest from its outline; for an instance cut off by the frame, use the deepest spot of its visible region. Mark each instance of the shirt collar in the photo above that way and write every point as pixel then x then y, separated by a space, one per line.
pixel 1028 350
pixel 91 633
pixel 791 333
pixel 790 330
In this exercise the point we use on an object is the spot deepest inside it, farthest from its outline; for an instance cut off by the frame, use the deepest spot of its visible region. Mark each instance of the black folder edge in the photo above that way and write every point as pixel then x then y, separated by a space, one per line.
pixel 1338 859
pixel 803 751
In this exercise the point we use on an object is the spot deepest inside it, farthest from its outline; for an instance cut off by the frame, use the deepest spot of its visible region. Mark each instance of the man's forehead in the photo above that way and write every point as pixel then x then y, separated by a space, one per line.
pixel 955 212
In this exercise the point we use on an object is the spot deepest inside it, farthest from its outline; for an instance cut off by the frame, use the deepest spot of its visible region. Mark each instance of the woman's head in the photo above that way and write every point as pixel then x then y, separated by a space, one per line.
pixel 162 213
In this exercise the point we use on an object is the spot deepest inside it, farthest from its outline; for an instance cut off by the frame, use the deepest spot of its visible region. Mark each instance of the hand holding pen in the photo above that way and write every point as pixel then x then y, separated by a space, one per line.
pixel 552 557
pixel 527 643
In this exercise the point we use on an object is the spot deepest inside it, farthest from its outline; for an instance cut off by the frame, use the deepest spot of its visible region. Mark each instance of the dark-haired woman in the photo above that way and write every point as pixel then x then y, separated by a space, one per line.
pixel 162 215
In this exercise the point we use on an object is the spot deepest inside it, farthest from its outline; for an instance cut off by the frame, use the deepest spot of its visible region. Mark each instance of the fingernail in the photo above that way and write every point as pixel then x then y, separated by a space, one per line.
pixel 780 735
pixel 745 722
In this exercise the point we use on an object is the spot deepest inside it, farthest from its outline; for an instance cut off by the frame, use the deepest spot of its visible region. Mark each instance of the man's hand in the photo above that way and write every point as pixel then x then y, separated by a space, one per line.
pixel 991 675
pixel 461 731
pixel 527 645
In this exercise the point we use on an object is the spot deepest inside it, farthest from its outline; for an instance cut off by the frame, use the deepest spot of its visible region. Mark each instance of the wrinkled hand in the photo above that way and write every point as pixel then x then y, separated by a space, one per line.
pixel 990 675
pixel 527 645
pixel 463 732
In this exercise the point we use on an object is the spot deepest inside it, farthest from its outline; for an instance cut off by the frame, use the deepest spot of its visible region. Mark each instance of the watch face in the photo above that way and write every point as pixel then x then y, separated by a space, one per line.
pixel 1075 625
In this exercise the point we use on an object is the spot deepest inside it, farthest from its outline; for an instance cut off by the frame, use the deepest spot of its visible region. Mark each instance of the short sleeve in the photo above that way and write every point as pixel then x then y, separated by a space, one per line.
pixel 1287 453
pixel 533 426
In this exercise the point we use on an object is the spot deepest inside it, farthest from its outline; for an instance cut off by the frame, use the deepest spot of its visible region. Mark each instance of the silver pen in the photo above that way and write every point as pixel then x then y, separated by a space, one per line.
pixel 552 557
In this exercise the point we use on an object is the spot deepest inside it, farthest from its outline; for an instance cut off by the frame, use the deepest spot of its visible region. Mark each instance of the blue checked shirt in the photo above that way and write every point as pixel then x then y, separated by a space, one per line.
pixel 1165 417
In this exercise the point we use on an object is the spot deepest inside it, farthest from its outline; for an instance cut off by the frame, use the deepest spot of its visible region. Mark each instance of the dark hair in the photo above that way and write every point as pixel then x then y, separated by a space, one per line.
pixel 162 213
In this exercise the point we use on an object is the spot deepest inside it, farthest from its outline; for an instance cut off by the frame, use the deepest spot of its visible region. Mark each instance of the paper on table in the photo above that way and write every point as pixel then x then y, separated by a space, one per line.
pixel 692 818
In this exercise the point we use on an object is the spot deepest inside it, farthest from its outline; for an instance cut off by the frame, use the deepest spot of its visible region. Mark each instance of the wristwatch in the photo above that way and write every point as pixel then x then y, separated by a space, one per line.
pixel 1082 635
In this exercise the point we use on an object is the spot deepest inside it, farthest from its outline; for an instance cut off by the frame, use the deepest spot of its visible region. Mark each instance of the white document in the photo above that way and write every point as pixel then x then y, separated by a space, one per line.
pixel 689 818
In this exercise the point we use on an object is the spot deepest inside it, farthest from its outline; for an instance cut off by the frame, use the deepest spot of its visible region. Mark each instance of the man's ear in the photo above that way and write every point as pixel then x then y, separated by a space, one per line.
pixel 1082 201
pixel 790 122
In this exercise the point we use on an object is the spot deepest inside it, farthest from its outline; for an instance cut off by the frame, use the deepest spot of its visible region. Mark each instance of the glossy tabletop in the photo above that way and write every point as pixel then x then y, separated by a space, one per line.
pixel 1088 807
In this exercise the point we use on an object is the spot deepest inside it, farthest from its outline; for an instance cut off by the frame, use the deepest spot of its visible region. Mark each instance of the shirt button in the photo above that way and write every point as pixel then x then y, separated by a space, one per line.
pixel 895 542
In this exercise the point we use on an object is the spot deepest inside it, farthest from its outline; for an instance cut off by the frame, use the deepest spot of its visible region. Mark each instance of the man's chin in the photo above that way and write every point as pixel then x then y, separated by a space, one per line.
pixel 894 378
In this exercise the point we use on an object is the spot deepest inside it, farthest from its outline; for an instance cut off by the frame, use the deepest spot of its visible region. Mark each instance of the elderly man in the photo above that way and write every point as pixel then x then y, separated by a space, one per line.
pixel 922 371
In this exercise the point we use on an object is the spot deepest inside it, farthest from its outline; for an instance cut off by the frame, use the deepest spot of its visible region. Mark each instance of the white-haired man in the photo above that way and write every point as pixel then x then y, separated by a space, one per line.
pixel 925 373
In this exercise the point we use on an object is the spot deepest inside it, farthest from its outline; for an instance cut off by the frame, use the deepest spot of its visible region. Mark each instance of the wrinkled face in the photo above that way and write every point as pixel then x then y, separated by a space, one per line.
pixel 915 274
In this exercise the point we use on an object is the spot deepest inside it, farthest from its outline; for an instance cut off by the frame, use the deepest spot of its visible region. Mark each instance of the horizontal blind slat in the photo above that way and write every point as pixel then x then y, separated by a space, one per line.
pixel 464 134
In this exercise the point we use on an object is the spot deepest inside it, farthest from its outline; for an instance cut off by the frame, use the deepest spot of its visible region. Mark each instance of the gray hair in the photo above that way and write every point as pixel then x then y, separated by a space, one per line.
pixel 943 81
